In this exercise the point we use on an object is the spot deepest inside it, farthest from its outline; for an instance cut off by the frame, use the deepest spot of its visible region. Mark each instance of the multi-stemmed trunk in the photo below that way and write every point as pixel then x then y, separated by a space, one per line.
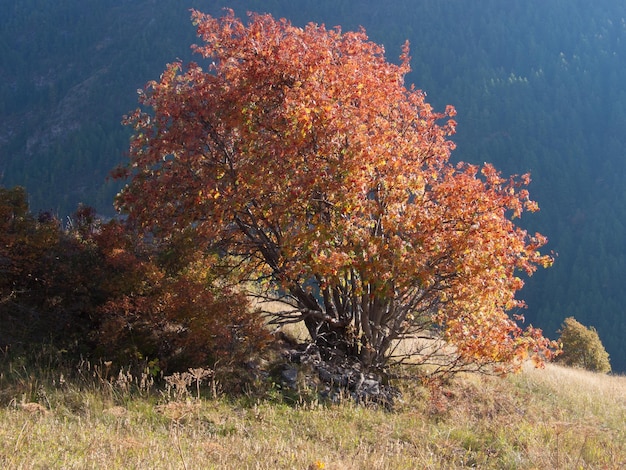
pixel 352 322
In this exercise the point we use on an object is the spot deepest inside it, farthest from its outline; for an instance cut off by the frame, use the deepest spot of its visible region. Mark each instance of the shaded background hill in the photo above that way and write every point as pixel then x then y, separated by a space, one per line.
pixel 538 86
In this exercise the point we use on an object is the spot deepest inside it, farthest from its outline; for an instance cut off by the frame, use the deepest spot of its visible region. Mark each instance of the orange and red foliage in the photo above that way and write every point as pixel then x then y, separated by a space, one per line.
pixel 301 154
pixel 182 317
pixel 101 288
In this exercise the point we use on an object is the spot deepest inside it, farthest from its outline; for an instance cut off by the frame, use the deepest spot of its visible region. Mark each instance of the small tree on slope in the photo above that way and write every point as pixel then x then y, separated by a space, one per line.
pixel 300 155
pixel 582 347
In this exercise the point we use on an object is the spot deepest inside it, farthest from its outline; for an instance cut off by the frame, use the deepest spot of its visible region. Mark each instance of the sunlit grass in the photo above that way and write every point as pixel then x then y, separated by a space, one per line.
pixel 552 418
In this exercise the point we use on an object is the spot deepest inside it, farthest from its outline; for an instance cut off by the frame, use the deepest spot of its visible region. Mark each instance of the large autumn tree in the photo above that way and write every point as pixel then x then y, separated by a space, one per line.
pixel 300 156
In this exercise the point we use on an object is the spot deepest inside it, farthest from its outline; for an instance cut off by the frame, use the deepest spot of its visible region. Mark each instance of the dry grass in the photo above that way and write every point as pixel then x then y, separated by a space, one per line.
pixel 556 418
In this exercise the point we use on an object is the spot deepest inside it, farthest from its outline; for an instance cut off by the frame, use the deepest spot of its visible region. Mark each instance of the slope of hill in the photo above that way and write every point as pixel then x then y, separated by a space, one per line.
pixel 539 86
pixel 555 418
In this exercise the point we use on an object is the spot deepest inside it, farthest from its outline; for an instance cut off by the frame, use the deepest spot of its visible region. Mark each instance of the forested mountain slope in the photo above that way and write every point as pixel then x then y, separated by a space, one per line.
pixel 538 86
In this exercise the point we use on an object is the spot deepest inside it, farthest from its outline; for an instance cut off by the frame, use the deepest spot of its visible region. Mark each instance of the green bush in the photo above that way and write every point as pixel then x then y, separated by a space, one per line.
pixel 582 347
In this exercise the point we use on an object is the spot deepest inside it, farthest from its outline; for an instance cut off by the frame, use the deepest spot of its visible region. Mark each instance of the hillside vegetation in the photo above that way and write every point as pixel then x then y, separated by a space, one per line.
pixel 538 87
pixel 555 418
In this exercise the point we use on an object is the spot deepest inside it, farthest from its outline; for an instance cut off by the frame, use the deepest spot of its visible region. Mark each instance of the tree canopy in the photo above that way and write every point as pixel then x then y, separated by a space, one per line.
pixel 300 156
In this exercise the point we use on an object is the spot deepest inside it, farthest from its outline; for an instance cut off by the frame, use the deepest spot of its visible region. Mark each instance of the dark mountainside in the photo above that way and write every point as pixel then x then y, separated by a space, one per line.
pixel 538 86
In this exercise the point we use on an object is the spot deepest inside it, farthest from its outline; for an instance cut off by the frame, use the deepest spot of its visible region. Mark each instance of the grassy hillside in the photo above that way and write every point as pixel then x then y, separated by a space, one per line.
pixel 553 418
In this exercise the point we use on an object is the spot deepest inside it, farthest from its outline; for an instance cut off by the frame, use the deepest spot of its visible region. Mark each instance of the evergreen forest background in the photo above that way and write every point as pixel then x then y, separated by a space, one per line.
pixel 539 86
